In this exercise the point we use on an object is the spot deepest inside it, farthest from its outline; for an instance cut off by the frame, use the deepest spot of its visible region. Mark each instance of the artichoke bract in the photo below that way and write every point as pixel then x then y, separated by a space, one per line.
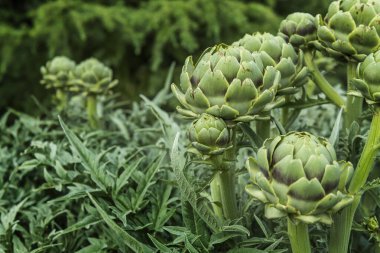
pixel 57 72
pixel 228 82
pixel 368 81
pixel 299 29
pixel 209 135
pixel 297 175
pixel 276 53
pixel 351 29
pixel 92 77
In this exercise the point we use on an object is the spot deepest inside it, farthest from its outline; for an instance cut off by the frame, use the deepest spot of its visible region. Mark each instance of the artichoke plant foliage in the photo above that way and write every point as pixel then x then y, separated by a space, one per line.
pixel 57 72
pixel 368 81
pixel 299 29
pixel 297 175
pixel 209 135
pixel 350 30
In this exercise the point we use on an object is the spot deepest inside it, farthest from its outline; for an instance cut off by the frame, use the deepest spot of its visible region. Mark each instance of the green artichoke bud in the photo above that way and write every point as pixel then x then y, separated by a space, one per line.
pixel 57 72
pixel 209 135
pixel 299 29
pixel 227 82
pixel 351 29
pixel 275 52
pixel 92 77
pixel 368 81
pixel 297 175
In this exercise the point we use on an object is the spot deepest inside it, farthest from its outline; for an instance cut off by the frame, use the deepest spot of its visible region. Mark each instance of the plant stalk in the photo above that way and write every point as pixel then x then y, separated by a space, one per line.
pixel 263 127
pixel 61 99
pixel 299 237
pixel 341 228
pixel 216 198
pixel 353 104
pixel 225 164
pixel 92 114
pixel 321 81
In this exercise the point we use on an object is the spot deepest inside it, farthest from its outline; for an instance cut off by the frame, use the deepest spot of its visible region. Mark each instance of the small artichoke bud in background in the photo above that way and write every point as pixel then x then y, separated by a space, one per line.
pixel 228 82
pixel 297 175
pixel 350 29
pixel 209 135
pixel 368 81
pixel 299 29
pixel 275 52
pixel 92 77
pixel 57 72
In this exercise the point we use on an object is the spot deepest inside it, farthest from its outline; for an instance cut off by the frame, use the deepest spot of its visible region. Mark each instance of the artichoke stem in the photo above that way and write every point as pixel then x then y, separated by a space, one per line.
pixel 340 230
pixel 367 158
pixel 321 81
pixel 263 127
pixel 216 198
pixel 227 193
pixel 343 220
pixel 299 237
pixel 61 99
pixel 92 111
pixel 354 104
pixel 225 164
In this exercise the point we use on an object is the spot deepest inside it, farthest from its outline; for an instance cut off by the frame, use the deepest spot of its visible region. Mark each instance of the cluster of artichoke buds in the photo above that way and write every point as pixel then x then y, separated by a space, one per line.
pixel 297 175
pixel 368 81
pixel 350 30
pixel 89 77
pixel 239 82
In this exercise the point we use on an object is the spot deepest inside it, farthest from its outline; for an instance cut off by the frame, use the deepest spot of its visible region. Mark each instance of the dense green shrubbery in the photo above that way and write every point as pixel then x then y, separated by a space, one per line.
pixel 139 39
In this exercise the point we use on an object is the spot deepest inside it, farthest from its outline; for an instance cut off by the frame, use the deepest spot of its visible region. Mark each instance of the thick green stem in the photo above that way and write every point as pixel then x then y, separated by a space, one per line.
pixel 215 195
pixel 61 100
pixel 227 192
pixel 367 158
pixel 321 81
pixel 299 237
pixel 225 164
pixel 353 104
pixel 263 127
pixel 92 114
pixel 341 228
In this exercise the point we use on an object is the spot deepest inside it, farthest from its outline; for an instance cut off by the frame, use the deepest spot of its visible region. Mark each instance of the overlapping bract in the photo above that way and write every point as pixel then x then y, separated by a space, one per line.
pixel 351 29
pixel 297 175
pixel 368 81
pixel 299 29
pixel 282 56
pixel 92 77
pixel 57 72
pixel 228 82
pixel 209 135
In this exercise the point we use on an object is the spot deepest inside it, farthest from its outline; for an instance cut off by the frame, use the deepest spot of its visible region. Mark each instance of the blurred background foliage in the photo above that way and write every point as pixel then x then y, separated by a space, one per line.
pixel 139 39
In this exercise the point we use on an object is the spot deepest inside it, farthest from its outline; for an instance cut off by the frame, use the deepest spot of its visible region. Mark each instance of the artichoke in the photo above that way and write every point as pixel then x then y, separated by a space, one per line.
pixel 209 135
pixel 351 29
pixel 57 72
pixel 92 77
pixel 368 81
pixel 275 52
pixel 299 29
pixel 297 175
pixel 227 82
